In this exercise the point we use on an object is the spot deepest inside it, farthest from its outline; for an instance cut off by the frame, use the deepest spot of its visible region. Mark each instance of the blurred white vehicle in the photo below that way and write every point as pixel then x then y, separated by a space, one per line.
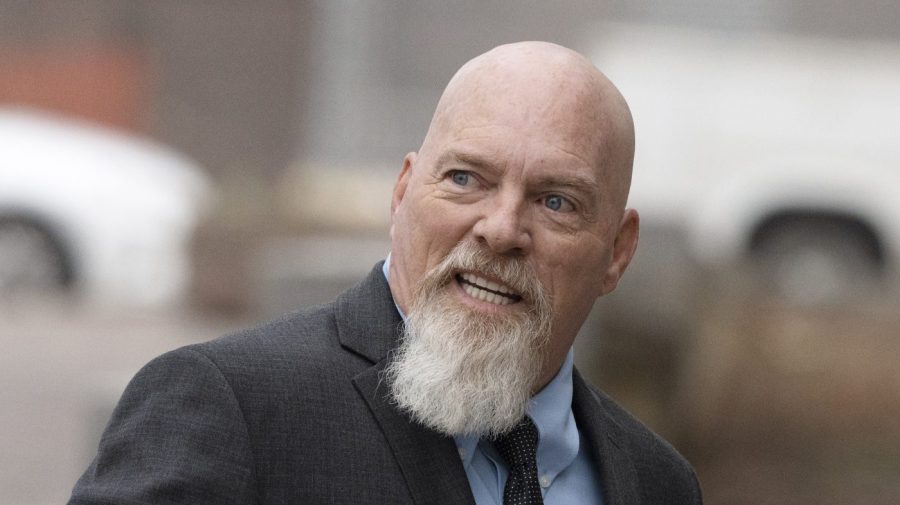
pixel 101 214
pixel 774 151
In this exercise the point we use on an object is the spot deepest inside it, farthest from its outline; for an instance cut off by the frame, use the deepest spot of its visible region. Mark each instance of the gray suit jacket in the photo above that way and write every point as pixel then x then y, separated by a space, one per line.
pixel 296 412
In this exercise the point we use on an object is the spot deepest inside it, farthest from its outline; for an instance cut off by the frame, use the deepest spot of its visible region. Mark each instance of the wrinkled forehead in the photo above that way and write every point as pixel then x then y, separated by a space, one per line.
pixel 548 113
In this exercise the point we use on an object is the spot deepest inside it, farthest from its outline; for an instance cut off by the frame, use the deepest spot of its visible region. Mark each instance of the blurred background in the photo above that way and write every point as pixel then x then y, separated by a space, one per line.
pixel 174 170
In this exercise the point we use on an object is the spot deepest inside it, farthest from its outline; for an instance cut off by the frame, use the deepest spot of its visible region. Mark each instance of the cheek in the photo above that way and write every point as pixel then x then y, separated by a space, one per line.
pixel 439 233
pixel 574 268
pixel 425 232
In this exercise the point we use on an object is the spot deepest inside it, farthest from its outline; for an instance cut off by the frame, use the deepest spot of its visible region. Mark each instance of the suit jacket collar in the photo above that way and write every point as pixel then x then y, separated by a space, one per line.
pixel 618 475
pixel 367 320
pixel 370 326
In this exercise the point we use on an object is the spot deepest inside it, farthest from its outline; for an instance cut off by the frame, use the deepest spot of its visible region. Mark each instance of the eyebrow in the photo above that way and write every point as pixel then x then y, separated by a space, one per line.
pixel 573 181
pixel 467 158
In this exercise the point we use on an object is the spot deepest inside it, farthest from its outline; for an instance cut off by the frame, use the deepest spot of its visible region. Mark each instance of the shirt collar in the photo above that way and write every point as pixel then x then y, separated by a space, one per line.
pixel 551 411
pixel 386 270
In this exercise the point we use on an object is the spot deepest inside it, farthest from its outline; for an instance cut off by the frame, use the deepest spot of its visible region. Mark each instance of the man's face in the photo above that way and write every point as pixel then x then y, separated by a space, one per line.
pixel 520 181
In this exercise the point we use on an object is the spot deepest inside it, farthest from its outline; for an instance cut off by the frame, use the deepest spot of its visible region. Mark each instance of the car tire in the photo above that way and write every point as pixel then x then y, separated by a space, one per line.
pixel 815 261
pixel 32 259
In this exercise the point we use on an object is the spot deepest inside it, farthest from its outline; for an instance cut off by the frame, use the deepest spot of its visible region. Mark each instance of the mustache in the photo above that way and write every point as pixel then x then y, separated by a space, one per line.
pixel 513 271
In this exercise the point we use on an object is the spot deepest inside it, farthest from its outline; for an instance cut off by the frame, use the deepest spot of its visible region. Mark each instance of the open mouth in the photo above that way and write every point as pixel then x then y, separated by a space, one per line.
pixel 486 290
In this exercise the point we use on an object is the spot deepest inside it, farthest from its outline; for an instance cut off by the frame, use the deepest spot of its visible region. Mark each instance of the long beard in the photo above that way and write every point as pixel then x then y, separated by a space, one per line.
pixel 460 371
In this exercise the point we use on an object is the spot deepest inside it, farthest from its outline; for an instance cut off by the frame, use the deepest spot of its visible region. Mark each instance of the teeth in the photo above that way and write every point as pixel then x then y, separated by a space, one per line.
pixel 482 294
pixel 486 284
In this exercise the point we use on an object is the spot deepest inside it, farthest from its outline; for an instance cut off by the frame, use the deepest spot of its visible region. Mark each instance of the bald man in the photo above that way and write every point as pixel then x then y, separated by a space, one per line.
pixel 445 376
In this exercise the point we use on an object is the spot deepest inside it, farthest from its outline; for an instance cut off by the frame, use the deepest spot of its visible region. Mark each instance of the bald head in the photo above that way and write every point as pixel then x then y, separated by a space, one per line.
pixel 528 161
pixel 548 91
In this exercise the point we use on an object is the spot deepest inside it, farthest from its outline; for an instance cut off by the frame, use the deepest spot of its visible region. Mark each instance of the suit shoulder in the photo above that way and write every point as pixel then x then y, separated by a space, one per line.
pixel 303 331
pixel 177 422
pixel 664 474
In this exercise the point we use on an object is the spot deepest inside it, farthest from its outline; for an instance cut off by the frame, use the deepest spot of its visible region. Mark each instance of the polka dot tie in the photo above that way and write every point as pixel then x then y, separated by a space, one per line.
pixel 519 449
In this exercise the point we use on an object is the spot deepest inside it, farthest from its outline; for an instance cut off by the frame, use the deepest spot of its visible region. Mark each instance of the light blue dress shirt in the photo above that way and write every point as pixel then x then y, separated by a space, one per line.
pixel 566 473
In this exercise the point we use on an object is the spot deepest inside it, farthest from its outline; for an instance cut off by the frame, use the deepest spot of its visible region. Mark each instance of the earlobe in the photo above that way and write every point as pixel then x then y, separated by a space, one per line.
pixel 402 181
pixel 623 250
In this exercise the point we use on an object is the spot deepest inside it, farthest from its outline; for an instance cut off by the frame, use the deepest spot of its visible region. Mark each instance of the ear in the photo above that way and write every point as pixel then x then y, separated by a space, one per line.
pixel 623 250
pixel 400 186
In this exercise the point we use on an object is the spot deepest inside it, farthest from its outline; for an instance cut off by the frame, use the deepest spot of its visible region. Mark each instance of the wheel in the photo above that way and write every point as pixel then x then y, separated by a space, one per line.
pixel 817 261
pixel 31 260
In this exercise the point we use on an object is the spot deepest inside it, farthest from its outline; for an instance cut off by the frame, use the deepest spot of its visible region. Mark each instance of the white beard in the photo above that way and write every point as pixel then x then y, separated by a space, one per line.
pixel 459 371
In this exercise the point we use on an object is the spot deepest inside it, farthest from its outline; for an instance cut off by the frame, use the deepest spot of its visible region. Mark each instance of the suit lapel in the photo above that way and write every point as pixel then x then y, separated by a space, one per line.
pixel 369 325
pixel 429 462
pixel 617 473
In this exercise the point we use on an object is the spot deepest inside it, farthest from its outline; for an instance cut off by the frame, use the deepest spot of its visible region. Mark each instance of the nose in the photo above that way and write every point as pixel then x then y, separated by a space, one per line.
pixel 504 226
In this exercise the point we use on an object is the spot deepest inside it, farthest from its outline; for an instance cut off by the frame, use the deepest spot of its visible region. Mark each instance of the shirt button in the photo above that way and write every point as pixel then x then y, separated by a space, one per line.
pixel 545 481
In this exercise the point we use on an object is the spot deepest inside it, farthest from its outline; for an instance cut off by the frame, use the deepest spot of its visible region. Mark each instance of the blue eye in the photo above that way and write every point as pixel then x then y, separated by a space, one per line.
pixel 460 177
pixel 554 202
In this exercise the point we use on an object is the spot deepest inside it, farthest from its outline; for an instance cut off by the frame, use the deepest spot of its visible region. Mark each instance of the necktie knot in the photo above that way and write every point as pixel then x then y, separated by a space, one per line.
pixel 519 445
